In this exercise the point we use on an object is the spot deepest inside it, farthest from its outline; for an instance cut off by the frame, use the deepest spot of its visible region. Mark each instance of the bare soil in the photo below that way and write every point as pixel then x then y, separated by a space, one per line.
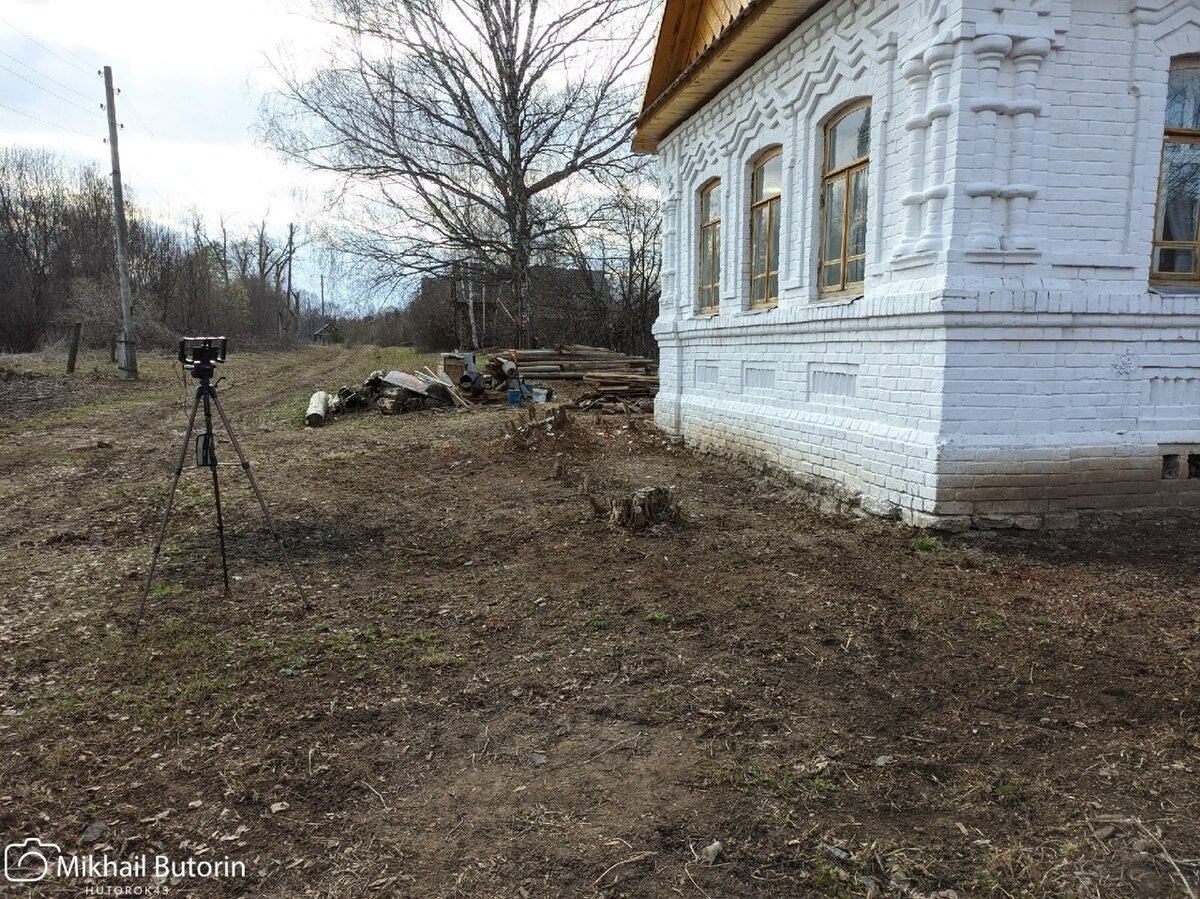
pixel 496 694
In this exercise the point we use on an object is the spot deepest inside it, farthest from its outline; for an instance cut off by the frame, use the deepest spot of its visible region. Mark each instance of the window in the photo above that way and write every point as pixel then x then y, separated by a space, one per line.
pixel 844 200
pixel 766 185
pixel 710 247
pixel 1177 220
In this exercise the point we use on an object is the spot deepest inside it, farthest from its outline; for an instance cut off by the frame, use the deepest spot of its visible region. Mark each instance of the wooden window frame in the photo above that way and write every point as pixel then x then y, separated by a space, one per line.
pixel 1172 134
pixel 844 173
pixel 709 231
pixel 772 204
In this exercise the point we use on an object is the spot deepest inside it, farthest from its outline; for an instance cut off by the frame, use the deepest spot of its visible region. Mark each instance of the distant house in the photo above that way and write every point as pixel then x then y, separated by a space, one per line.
pixel 327 333
pixel 940 258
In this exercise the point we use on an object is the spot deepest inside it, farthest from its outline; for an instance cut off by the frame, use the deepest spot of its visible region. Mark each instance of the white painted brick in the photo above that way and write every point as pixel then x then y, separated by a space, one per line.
pixel 965 367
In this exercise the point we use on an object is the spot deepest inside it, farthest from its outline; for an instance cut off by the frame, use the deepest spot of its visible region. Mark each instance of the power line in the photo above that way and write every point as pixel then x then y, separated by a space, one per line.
pixel 47 90
pixel 42 74
pixel 137 115
pixel 44 121
pixel 87 71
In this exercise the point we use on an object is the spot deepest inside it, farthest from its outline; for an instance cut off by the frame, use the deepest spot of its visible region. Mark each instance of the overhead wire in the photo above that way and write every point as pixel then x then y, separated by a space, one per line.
pixel 43 75
pixel 47 90
pixel 45 121
pixel 89 67
pixel 137 115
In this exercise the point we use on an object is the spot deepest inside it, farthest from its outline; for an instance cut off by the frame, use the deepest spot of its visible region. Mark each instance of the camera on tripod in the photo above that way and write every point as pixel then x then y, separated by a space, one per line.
pixel 201 355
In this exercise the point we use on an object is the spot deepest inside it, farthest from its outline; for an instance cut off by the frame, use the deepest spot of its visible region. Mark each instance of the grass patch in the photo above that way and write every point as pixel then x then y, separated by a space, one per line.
pixel 991 622
pixel 926 544
pixel 181 669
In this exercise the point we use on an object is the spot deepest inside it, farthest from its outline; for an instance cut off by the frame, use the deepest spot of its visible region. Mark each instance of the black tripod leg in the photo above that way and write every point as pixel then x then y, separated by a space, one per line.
pixel 237 448
pixel 216 489
pixel 162 529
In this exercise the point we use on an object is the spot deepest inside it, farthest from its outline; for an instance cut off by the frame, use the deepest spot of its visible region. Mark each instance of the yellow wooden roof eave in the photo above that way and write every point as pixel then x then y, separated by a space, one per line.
pixel 750 35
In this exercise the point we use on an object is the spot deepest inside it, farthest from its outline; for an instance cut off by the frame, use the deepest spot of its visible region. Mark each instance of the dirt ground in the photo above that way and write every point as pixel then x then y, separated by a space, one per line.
pixel 496 694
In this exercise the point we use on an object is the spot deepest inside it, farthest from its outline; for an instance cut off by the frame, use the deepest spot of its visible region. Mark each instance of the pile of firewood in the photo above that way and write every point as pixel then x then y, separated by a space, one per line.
pixel 619 393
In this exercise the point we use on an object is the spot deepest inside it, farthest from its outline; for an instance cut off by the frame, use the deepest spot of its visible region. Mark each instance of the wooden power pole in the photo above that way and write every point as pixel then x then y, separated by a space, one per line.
pixel 127 356
pixel 287 300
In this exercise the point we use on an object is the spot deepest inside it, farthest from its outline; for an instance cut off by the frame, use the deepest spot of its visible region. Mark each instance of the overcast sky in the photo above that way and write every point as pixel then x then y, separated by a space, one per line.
pixel 191 76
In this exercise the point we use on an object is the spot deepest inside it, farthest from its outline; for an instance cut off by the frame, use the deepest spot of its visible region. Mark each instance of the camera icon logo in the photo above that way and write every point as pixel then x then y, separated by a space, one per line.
pixel 27 862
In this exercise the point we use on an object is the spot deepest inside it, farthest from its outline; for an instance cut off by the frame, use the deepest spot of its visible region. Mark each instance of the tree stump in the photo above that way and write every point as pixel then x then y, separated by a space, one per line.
pixel 641 508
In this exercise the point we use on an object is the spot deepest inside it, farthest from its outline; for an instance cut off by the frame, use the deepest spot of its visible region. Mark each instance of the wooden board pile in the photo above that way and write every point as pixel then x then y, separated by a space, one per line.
pixel 618 393
pixel 571 362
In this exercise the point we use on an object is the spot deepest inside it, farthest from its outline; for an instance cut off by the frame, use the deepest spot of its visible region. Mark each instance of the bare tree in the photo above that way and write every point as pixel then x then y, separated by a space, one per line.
pixel 464 127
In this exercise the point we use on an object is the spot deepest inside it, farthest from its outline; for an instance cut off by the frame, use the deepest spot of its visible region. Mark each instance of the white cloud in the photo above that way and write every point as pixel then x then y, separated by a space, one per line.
pixel 192 76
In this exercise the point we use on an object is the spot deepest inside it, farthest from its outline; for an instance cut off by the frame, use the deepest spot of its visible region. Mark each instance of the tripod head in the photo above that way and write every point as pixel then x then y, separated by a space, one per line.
pixel 201 355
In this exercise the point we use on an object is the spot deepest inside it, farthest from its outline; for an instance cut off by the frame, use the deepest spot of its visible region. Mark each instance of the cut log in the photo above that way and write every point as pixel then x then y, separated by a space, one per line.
pixel 318 409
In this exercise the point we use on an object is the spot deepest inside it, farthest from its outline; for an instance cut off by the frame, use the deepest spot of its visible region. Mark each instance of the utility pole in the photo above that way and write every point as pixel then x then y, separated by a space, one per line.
pixel 287 302
pixel 127 356
pixel 322 298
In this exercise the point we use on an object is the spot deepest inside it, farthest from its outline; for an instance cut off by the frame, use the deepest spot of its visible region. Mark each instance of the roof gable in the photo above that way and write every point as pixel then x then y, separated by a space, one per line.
pixel 688 28
pixel 702 46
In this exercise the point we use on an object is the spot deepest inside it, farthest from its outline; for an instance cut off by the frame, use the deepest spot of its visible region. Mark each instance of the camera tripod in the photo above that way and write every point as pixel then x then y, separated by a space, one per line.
pixel 206 457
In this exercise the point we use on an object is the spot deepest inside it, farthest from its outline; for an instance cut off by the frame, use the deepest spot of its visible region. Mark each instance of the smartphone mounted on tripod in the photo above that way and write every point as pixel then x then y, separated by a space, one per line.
pixel 201 355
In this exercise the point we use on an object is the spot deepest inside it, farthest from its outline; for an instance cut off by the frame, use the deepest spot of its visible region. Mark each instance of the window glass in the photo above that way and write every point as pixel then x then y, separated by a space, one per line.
pixel 759 262
pixel 766 186
pixel 1179 192
pixel 710 203
pixel 835 209
pixel 1177 214
pixel 716 256
pixel 768 178
pixel 858 213
pixel 758 291
pixel 849 138
pixel 1175 260
pixel 844 200
pixel 1183 95
pixel 855 269
pixel 710 247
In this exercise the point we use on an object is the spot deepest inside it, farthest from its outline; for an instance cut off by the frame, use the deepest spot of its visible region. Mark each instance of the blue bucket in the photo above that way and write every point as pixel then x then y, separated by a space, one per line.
pixel 514 397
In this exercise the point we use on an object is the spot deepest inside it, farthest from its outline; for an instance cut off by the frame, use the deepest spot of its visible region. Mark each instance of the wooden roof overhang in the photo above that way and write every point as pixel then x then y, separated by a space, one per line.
pixel 702 46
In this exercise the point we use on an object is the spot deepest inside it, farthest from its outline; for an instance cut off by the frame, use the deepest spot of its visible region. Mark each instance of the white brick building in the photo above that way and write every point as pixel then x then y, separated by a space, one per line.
pixel 908 249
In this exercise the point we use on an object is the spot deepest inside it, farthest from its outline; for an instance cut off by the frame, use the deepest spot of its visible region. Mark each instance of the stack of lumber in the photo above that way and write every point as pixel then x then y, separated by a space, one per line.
pixel 619 392
pixel 571 362
pixel 622 384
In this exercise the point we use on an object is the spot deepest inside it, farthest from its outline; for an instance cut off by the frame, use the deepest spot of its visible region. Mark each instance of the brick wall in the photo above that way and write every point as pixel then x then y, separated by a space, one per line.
pixel 1007 363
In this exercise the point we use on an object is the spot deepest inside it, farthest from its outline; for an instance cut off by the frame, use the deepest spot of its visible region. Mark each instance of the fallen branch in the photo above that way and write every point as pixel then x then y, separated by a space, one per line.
pixel 1191 893
pixel 627 861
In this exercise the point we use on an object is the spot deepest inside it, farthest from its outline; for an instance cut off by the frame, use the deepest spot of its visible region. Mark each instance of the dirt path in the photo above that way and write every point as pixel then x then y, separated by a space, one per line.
pixel 497 695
